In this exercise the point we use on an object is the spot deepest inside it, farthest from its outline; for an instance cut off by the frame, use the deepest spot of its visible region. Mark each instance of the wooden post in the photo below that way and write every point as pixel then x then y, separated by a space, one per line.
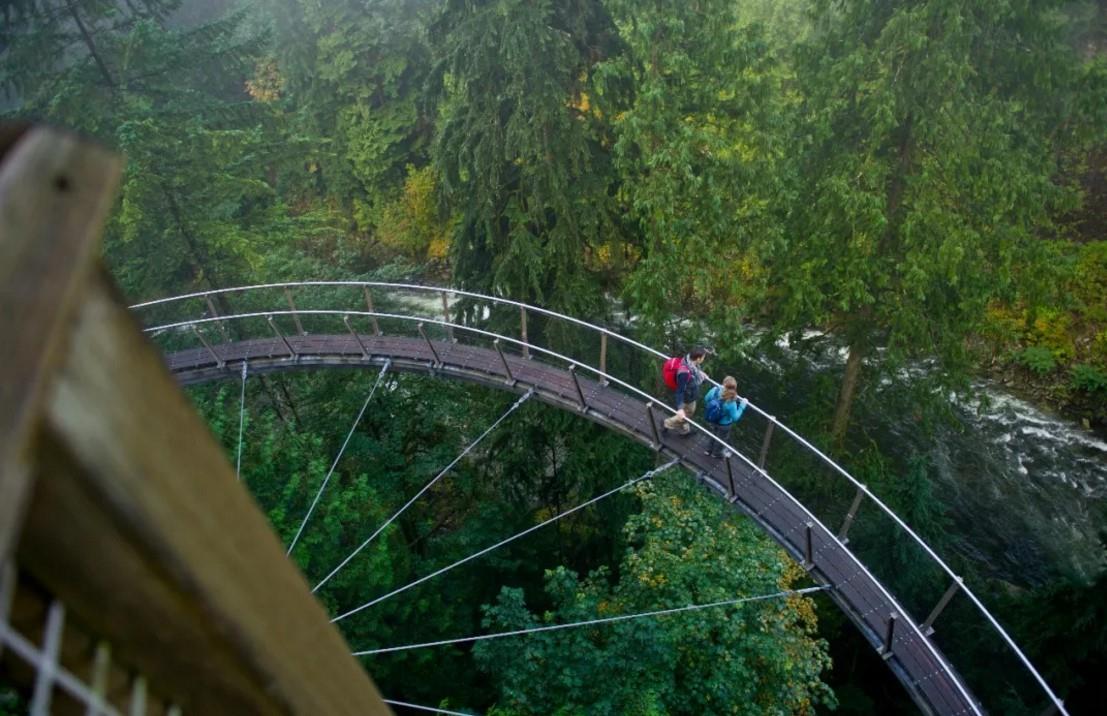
pixel 437 361
pixel 276 330
pixel 576 384
pixel 730 477
pixel 603 357
pixel 446 316
pixel 765 443
pixel 126 510
pixel 503 359
pixel 369 305
pixel 219 362
pixel 886 647
pixel 854 506
pixel 928 625
pixel 215 314
pixel 55 193
pixel 357 337
pixel 523 331
pixel 652 419
pixel 295 315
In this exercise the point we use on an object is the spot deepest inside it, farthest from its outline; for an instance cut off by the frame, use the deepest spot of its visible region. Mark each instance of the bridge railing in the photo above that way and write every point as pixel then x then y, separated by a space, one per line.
pixel 924 584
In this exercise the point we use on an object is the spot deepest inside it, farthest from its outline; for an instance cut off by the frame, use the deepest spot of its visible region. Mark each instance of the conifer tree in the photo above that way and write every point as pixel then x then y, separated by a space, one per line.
pixel 517 151
pixel 694 102
pixel 928 173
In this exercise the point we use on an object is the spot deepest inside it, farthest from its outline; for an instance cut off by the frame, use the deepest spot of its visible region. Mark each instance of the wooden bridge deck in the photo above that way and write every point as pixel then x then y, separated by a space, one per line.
pixel 933 685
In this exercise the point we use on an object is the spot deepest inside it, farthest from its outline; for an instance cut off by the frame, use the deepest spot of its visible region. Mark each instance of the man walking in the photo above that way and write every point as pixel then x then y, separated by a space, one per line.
pixel 683 376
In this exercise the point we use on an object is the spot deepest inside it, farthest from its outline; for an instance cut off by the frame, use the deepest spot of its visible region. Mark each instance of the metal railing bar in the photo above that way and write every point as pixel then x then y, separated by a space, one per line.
pixel 25 650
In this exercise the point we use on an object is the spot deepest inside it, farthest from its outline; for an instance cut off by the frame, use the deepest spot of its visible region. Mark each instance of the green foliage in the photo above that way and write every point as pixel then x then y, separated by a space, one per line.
pixel 693 104
pixel 1051 330
pixel 410 225
pixel 1060 627
pixel 517 155
pixel 929 169
pixel 10 702
pixel 354 73
pixel 1038 359
pixel 1089 281
pixel 683 547
pixel 1089 378
pixel 198 205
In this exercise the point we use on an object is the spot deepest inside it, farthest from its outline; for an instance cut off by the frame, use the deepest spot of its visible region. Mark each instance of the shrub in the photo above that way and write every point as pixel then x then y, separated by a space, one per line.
pixel 1089 281
pixel 1052 330
pixel 1089 378
pixel 1038 359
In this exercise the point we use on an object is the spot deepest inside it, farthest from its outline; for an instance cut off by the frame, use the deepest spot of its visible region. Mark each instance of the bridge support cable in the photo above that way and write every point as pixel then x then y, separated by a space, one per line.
pixel 342 450
pixel 431 709
pixel 603 620
pixel 515 406
pixel 644 476
pixel 241 421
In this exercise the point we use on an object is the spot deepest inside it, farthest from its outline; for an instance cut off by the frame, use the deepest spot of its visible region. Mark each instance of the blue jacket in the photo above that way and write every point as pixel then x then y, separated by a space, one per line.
pixel 732 409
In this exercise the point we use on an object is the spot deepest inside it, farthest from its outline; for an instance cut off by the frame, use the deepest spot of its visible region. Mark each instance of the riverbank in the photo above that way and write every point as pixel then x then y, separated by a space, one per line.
pixel 1054 393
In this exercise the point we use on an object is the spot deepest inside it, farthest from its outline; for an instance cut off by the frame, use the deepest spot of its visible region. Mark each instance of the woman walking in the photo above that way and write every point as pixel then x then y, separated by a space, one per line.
pixel 722 411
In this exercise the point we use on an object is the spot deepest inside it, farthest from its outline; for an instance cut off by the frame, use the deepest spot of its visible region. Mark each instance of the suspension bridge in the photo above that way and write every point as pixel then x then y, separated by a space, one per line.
pixel 234 333
pixel 454 334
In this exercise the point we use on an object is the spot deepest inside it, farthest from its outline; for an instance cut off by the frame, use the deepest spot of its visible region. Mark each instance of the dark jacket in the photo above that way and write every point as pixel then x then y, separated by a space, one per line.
pixel 688 379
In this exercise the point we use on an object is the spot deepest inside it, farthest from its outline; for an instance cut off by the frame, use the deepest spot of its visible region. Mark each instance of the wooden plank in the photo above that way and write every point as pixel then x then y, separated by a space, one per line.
pixel 162 515
pixel 54 195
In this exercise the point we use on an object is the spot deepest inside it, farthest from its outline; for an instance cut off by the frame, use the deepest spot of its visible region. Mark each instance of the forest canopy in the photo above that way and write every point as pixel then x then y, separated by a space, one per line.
pixel 910 181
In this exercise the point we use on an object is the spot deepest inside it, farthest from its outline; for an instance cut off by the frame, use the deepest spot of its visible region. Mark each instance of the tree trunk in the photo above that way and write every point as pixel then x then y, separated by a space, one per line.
pixel 848 391
pixel 274 400
pixel 87 37
pixel 202 265
pixel 288 401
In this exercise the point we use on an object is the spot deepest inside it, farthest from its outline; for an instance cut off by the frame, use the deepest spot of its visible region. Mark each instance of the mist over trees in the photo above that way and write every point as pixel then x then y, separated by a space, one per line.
pixel 914 180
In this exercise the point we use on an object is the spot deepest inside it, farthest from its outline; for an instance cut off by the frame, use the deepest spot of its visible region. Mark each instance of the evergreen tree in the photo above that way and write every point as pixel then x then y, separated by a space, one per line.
pixel 517 151
pixel 695 108
pixel 198 207
pixel 354 73
pixel 927 168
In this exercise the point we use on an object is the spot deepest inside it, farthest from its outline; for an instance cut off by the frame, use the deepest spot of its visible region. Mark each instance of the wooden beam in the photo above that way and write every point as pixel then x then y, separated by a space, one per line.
pixel 166 552
pixel 114 497
pixel 55 192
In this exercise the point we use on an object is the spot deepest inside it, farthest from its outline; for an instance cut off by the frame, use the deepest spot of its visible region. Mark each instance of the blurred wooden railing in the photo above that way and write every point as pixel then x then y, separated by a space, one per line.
pixel 137 575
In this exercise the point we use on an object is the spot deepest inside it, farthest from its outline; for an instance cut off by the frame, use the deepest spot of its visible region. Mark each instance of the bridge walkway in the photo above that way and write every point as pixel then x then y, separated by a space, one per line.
pixel 933 684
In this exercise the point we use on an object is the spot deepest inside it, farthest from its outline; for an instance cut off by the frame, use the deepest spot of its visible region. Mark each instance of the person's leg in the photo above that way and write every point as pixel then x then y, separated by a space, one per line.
pixel 689 411
pixel 672 422
pixel 722 432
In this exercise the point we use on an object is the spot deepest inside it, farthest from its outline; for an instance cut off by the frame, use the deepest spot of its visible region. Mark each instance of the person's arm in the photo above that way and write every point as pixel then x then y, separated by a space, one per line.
pixel 741 409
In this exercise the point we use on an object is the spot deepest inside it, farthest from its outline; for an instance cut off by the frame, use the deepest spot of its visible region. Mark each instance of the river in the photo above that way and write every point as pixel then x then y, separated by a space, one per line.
pixel 1025 490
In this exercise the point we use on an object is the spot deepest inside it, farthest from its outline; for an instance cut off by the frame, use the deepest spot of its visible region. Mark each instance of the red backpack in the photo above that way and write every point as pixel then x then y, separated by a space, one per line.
pixel 670 369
